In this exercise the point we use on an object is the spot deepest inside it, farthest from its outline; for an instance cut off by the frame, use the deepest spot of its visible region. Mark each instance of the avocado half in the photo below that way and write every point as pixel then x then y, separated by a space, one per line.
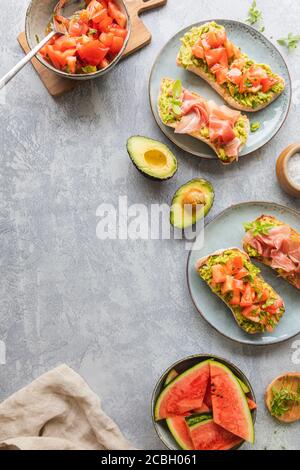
pixel 191 202
pixel 152 158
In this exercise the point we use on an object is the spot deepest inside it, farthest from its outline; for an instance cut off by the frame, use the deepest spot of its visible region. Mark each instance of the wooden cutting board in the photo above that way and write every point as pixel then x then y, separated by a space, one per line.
pixel 140 37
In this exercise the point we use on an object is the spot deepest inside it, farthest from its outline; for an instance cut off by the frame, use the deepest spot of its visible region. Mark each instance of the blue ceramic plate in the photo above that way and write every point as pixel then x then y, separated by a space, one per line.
pixel 227 231
pixel 259 48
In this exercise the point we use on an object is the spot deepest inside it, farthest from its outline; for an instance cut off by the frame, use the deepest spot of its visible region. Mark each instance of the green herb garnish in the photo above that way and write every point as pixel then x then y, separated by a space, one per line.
pixel 177 89
pixel 255 126
pixel 258 227
pixel 176 93
pixel 37 39
pixel 92 31
pixel 283 400
pixel 89 69
pixel 291 41
pixel 255 15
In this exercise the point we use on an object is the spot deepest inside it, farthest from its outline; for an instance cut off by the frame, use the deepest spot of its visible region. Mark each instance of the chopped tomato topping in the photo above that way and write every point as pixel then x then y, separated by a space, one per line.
pixel 227 285
pixel 252 313
pixel 247 298
pixel 216 56
pixel 116 14
pixel 268 83
pixel 198 51
pixel 93 52
pixel 236 297
pixel 218 273
pixel 229 49
pixel 116 45
pixel 225 60
pixel 235 75
pixel 220 72
pixel 95 35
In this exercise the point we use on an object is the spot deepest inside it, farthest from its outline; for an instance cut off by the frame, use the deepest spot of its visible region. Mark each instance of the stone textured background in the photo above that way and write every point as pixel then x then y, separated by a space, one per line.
pixel 118 312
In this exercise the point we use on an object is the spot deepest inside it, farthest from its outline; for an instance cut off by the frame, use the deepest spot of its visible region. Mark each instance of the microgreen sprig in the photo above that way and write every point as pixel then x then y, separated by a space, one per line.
pixel 176 102
pixel 255 16
pixel 258 227
pixel 282 401
pixel 291 41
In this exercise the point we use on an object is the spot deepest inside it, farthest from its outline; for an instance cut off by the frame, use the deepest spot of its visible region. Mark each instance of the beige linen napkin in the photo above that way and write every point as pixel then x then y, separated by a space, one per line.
pixel 58 411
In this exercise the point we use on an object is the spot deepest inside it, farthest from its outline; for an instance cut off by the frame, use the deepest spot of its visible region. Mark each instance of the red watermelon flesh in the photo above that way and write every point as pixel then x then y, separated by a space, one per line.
pixel 204 409
pixel 229 403
pixel 183 394
pixel 209 436
pixel 180 431
pixel 252 405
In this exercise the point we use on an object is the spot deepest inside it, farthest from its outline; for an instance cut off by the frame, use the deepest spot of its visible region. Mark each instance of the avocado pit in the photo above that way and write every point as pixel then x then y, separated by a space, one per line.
pixel 155 158
pixel 194 198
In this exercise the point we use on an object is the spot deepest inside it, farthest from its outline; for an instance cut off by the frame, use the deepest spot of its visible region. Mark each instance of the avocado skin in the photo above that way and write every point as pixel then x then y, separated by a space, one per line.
pixel 146 175
pixel 197 183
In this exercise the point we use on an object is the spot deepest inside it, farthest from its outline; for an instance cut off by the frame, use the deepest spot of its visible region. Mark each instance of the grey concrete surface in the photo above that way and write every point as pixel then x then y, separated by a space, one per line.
pixel 116 311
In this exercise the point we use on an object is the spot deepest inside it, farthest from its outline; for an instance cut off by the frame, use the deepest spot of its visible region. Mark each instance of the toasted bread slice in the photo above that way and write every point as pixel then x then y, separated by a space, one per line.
pixel 294 278
pixel 246 101
pixel 250 327
pixel 243 118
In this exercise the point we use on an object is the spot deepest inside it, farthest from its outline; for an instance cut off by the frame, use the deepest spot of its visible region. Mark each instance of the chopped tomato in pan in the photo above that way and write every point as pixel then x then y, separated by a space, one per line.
pixel 95 36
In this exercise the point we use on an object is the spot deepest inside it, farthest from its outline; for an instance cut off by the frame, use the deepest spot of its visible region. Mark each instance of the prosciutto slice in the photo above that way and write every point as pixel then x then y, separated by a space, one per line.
pixel 220 131
pixel 195 115
pixel 220 120
pixel 232 149
pixel 192 122
pixel 279 247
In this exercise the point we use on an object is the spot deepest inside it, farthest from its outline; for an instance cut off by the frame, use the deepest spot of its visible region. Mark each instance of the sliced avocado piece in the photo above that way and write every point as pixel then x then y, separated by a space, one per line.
pixel 191 202
pixel 152 158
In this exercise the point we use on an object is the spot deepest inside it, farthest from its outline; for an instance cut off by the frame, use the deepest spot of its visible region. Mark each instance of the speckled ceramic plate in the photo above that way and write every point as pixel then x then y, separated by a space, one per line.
pixel 258 47
pixel 181 366
pixel 226 231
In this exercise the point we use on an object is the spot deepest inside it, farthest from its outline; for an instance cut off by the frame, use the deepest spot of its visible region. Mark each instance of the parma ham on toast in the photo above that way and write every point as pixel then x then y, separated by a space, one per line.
pixel 244 84
pixel 225 130
pixel 275 244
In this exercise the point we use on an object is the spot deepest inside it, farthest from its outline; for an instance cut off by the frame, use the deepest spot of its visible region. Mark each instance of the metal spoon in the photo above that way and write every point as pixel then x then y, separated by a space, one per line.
pixel 57 27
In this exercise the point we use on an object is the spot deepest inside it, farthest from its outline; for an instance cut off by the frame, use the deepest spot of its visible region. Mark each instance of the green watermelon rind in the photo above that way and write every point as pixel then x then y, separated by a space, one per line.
pixel 198 418
pixel 170 377
pixel 167 389
pixel 243 398
pixel 176 436
pixel 244 387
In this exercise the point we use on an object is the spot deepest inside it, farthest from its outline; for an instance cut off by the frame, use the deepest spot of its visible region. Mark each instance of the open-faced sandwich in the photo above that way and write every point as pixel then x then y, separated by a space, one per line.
pixel 231 276
pixel 275 244
pixel 223 129
pixel 244 84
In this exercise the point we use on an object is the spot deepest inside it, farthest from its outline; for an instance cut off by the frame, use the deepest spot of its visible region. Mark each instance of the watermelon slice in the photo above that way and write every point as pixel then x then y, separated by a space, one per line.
pixel 207 435
pixel 229 403
pixel 170 377
pixel 204 408
pixel 180 431
pixel 185 393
